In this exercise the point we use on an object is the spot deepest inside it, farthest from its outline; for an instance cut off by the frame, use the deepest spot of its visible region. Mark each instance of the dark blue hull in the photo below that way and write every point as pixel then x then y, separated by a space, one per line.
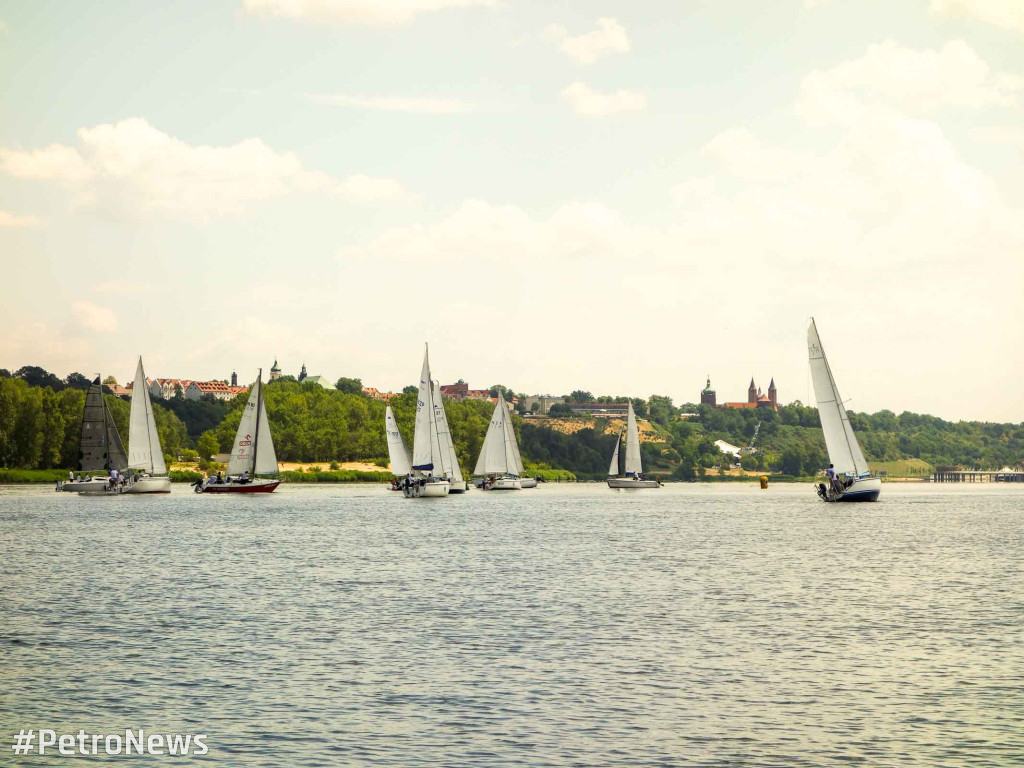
pixel 860 496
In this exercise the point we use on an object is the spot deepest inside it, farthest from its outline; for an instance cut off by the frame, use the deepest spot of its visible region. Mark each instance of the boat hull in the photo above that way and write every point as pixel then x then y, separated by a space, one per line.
pixel 150 485
pixel 631 484
pixel 253 486
pixel 528 482
pixel 503 484
pixel 863 489
pixel 95 487
pixel 458 487
pixel 433 489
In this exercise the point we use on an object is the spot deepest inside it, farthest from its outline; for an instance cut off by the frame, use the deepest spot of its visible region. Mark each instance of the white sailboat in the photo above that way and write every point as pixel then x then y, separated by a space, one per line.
pixel 144 450
pixel 853 481
pixel 449 459
pixel 252 453
pixel 499 463
pixel 427 479
pixel 99 448
pixel 634 477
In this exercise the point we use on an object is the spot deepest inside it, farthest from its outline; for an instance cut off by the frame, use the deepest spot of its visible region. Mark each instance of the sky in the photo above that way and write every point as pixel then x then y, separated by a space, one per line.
pixel 624 198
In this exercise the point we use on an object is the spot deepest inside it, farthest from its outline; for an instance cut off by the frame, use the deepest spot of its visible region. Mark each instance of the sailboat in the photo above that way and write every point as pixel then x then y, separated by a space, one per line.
pixel 499 463
pixel 144 451
pixel 428 479
pixel 449 459
pixel 252 453
pixel 853 478
pixel 99 449
pixel 634 478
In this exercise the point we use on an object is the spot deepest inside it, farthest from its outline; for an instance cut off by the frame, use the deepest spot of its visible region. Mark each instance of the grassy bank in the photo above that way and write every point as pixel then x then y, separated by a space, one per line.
pixel 339 476
pixel 18 476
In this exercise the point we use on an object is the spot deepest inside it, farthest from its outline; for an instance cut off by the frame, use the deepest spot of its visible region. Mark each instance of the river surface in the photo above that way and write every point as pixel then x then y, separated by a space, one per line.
pixel 709 625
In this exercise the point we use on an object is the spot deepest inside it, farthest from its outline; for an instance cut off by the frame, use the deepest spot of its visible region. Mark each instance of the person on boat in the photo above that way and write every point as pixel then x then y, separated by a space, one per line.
pixel 833 480
pixel 71 476
pixel 112 481
pixel 245 476
pixel 220 479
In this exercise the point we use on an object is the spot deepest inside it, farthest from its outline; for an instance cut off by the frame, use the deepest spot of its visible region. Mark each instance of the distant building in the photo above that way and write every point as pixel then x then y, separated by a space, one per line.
pixel 165 389
pixel 303 377
pixel 374 394
pixel 275 371
pixel 707 395
pixel 220 390
pixel 755 398
pixel 601 409
pixel 543 402
pixel 460 391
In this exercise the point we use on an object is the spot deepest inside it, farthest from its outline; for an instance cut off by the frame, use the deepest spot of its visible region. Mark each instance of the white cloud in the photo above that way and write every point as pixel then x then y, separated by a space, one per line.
pixel 1010 136
pixel 94 317
pixel 1008 14
pixel 8 219
pixel 589 102
pixel 132 168
pixel 890 76
pixel 609 38
pixel 411 104
pixel 369 12
pixel 361 187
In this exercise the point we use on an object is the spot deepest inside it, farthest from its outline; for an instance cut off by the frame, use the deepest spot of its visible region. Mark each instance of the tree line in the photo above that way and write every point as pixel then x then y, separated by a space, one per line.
pixel 40 422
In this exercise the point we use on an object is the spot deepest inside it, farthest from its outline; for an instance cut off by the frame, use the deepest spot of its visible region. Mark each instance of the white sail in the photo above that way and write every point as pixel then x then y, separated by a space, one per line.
pixel 633 463
pixel 449 459
pixel 245 437
pixel 397 452
pixel 512 445
pixel 144 451
pixel 424 438
pixel 613 468
pixel 843 450
pixel 266 457
pixel 494 455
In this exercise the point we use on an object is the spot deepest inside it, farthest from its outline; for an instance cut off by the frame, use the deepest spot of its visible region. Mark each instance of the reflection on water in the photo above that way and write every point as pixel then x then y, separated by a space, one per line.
pixel 714 625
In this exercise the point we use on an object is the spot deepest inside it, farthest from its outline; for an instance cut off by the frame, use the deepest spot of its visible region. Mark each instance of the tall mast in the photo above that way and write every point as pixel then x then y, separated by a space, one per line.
pixel 837 399
pixel 259 410
pixel 106 432
pixel 149 417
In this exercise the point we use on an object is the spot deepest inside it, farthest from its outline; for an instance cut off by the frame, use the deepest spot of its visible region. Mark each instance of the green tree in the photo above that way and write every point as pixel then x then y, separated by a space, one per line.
pixel 580 396
pixel 349 386
pixel 207 445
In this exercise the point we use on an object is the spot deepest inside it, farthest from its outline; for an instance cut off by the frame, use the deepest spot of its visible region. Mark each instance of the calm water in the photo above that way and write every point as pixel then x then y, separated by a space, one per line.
pixel 698 625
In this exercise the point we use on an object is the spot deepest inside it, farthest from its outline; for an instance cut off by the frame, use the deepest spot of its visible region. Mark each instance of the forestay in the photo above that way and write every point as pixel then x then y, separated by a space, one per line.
pixel 144 450
pixel 843 450
pixel 397 452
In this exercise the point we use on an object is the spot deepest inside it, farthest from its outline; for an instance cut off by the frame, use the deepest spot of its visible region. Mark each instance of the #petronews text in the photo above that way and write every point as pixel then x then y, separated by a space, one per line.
pixel 133 742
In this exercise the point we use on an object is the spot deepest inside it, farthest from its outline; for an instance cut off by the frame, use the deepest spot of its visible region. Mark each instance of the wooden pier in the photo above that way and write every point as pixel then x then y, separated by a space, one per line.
pixel 957 475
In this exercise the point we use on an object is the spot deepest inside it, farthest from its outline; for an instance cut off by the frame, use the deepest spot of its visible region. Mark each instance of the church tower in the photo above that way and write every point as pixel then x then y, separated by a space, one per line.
pixel 773 394
pixel 234 378
pixel 707 395
pixel 752 393
pixel 275 371
pixel 302 373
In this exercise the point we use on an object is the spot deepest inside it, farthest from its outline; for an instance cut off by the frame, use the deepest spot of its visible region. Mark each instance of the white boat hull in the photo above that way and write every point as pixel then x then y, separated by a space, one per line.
pixel 150 485
pixel 96 486
pixel 528 482
pixel 458 487
pixel 432 489
pixel 862 489
pixel 502 484
pixel 630 483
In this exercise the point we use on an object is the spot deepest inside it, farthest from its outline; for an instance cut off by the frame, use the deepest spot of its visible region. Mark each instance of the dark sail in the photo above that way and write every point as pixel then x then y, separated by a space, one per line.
pixel 100 448
pixel 117 458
